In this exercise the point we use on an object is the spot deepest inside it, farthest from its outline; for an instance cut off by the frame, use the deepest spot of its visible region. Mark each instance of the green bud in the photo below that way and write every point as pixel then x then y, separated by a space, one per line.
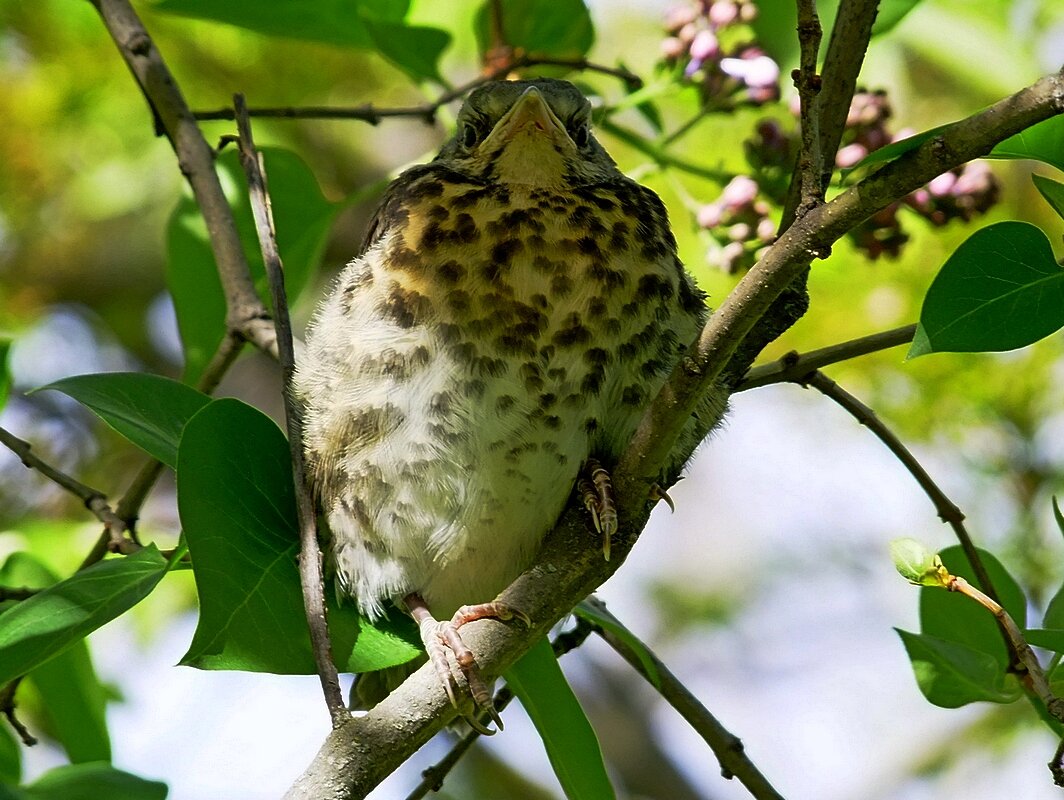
pixel 917 564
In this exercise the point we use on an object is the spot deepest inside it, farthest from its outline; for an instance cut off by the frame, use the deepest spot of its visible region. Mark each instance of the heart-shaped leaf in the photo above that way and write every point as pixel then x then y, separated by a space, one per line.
pixel 149 410
pixel 546 28
pixel 951 674
pixel 237 506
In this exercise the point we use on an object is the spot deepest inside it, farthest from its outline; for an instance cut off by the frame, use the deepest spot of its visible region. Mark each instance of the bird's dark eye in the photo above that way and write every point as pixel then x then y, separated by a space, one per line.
pixel 581 135
pixel 470 135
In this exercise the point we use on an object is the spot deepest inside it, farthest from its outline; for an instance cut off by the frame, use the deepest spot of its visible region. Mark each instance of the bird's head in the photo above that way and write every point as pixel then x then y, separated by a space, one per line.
pixel 535 132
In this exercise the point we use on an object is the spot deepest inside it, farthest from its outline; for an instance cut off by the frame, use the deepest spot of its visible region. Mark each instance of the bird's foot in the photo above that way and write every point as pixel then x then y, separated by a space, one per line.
pixel 596 492
pixel 658 493
pixel 439 637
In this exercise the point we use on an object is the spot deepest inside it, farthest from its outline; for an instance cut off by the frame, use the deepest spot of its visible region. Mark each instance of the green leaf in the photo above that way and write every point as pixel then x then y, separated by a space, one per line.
pixel 608 622
pixel 1042 142
pixel 1054 616
pixel 303 218
pixel 337 22
pixel 73 698
pixel 38 629
pixel 415 50
pixel 1000 290
pixel 545 28
pixel 893 150
pixel 149 410
pixel 1052 191
pixel 237 506
pixel 10 757
pixel 890 13
pixel 951 674
pixel 951 616
pixel 93 782
pixel 1050 639
pixel 572 747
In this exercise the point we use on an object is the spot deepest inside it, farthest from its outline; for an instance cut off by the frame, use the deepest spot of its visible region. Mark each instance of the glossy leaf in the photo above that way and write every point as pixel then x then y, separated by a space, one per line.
pixel 38 629
pixel 1050 639
pixel 1000 290
pixel 415 50
pixel 1042 142
pixel 890 13
pixel 303 218
pixel 237 506
pixel 951 674
pixel 72 696
pixel 1052 191
pixel 149 410
pixel 607 622
pixel 549 28
pixel 93 782
pixel 337 22
pixel 571 744
pixel 951 616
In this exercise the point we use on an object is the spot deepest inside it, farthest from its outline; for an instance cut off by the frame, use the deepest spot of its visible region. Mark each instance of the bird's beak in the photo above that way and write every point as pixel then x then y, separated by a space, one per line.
pixel 531 114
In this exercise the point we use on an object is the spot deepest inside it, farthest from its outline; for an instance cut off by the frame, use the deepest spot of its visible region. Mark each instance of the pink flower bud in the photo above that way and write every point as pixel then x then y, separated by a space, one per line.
pixel 678 16
pixel 740 191
pixel 849 155
pixel 942 185
pixel 757 72
pixel 766 230
pixel 705 46
pixel 710 215
pixel 739 232
pixel 672 48
pixel 723 12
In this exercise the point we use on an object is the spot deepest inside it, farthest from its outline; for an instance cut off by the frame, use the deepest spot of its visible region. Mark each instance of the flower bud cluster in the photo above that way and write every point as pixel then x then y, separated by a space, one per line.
pixel 711 40
pixel 740 223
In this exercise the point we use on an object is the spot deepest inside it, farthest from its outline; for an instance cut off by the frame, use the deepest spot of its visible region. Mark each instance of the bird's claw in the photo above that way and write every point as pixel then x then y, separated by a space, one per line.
pixel 596 492
pixel 658 493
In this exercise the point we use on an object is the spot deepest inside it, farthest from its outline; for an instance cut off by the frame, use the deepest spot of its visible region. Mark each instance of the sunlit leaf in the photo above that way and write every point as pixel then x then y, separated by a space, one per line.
pixel 951 674
pixel 303 218
pixel 1052 191
pixel 5 376
pixel 890 13
pixel 92 782
pixel 571 744
pixel 338 22
pixel 1042 142
pixel 1000 290
pixel 592 614
pixel 149 410
pixel 38 629
pixel 546 28
pixel 10 757
pixel 1050 639
pixel 237 506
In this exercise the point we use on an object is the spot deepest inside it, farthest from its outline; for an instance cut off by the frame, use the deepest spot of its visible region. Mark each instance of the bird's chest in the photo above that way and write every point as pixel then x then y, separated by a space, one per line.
pixel 551 312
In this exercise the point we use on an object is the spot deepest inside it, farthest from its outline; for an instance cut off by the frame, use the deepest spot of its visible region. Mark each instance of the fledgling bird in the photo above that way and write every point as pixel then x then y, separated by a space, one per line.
pixel 517 304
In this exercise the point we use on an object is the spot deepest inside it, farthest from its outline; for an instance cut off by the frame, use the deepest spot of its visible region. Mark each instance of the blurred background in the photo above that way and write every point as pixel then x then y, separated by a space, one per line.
pixel 770 591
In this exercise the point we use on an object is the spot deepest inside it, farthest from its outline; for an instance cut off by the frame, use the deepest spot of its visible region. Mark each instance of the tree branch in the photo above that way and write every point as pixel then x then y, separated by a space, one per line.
pixel 795 366
pixel 947 510
pixel 310 559
pixel 726 746
pixel 354 758
pixel 810 161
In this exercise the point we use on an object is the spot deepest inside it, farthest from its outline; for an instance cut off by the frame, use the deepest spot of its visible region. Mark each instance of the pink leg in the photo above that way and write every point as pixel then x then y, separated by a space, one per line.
pixel 439 637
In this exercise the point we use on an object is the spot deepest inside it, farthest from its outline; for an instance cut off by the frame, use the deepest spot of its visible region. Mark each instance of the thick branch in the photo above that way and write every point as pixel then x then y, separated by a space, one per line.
pixel 569 567
pixel 808 238
pixel 196 160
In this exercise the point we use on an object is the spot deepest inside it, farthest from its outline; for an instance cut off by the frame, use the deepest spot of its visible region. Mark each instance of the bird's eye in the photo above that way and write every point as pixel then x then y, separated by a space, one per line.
pixel 470 135
pixel 581 135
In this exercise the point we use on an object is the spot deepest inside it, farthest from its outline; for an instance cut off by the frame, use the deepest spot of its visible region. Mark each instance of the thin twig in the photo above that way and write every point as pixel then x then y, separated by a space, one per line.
pixel 1034 676
pixel 94 499
pixel 726 746
pixel 1056 766
pixel 807 82
pixel 947 511
pixel 659 156
pixel 7 708
pixel 794 366
pixel 426 112
pixel 310 559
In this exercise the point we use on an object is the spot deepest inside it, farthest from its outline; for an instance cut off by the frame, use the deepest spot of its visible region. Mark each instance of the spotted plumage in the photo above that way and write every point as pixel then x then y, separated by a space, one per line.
pixel 517 304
